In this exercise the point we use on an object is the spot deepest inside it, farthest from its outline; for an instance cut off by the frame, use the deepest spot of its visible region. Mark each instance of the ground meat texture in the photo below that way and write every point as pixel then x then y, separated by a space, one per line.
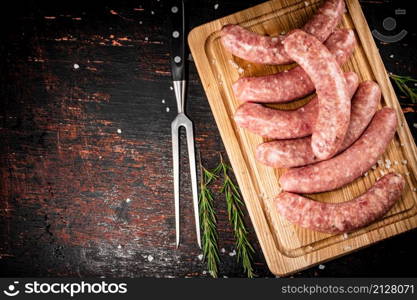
pixel 333 97
pixel 347 166
pixel 346 216
pixel 261 49
pixel 297 152
pixel 294 83
pixel 284 124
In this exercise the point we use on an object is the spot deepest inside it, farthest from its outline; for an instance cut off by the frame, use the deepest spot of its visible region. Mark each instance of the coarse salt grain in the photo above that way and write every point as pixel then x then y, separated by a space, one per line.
pixel 306 3
pixel 167 109
pixel 163 101
pixel 240 70
pixel 365 174
pixel 396 163
pixel 234 65
pixel 223 250
pixel 322 267
pixel 216 6
pixel 391 56
pixel 119 247
pixel 404 162
pixel 380 162
pixel 76 66
pixel 128 200
pixel 140 22
pixel 171 88
pixel 345 236
pixel 233 253
pixel 150 258
pixel 415 125
pixel 200 257
pixel 119 131
pixel 374 167
pixel 152 12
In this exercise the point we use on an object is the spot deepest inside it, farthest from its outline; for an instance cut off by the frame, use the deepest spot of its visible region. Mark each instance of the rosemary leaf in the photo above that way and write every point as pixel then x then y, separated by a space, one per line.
pixel 403 82
pixel 234 205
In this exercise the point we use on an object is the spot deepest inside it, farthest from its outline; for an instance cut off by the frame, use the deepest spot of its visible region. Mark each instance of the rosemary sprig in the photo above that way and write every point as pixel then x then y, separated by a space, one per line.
pixel 234 210
pixel 402 82
pixel 208 222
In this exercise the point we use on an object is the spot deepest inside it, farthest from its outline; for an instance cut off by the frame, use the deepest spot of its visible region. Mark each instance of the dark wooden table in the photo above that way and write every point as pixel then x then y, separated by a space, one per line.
pixel 85 152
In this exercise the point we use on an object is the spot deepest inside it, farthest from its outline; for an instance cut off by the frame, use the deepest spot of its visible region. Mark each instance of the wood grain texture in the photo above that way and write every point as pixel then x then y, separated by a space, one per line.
pixel 288 248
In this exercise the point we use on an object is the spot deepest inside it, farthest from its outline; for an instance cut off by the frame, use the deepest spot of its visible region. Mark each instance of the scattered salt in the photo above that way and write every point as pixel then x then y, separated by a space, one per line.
pixel 391 56
pixel 167 109
pixel 306 3
pixel 216 6
pixel 76 66
pixel 200 257
pixel 415 125
pixel 396 163
pixel 204 272
pixel 150 258
pixel 345 236
pixel 128 200
pixel 380 162
pixel 146 38
pixel 233 253
pixel 163 101
pixel 322 267
pixel 374 167
pixel 152 12
pixel 223 250
pixel 119 247
pixel 140 22
pixel 119 131
pixel 365 174
pixel 404 162
pixel 225 276
pixel 240 70
pixel 382 172
pixel 171 88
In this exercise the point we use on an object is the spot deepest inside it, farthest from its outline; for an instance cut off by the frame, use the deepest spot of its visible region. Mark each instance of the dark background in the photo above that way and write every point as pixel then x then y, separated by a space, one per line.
pixel 66 172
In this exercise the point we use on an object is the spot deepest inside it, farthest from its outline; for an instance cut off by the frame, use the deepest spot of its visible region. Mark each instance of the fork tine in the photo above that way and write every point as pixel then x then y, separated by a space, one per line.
pixel 193 172
pixel 175 153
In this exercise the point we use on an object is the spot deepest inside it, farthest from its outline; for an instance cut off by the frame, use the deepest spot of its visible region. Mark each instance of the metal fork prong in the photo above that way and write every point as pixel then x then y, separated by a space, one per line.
pixel 193 172
pixel 176 158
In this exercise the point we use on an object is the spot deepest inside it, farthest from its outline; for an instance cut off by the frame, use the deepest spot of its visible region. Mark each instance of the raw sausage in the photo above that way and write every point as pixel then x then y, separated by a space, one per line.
pixel 294 83
pixel 347 166
pixel 346 216
pixel 298 152
pixel 269 50
pixel 334 102
pixel 284 124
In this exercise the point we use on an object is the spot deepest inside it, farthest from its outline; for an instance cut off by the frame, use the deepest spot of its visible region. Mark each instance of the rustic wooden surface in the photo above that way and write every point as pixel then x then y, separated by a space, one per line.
pixel 66 171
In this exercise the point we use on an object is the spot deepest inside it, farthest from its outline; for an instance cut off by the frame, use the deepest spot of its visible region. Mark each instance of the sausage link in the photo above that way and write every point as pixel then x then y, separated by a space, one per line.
pixel 334 103
pixel 294 83
pixel 298 152
pixel 347 166
pixel 346 216
pixel 284 124
pixel 269 50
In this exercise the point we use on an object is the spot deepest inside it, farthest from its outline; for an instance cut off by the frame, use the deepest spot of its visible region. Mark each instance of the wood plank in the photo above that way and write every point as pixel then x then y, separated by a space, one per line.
pixel 288 248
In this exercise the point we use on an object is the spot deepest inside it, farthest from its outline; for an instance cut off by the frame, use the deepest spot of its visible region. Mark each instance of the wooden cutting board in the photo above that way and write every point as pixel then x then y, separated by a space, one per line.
pixel 289 248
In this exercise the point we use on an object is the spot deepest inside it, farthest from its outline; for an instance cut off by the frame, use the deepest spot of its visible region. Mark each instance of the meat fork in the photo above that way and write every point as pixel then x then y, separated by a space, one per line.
pixel 179 82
